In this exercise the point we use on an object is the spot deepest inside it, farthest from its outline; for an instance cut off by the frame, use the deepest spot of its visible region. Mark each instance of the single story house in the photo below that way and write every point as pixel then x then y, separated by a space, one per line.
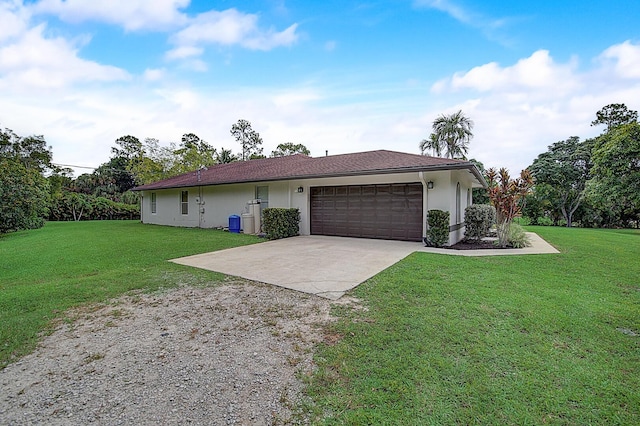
pixel 375 194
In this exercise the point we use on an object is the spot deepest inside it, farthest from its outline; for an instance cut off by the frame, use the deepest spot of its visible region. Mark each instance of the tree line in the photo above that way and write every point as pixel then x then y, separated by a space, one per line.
pixel 591 183
pixel 33 188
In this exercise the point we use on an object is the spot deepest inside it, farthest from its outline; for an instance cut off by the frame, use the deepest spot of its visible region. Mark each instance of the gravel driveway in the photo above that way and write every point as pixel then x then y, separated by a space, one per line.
pixel 214 355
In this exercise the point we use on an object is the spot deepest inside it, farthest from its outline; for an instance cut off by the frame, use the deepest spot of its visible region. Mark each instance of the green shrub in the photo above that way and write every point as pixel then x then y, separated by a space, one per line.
pixel 518 237
pixel 280 223
pixel 522 221
pixel 438 228
pixel 78 206
pixel 544 221
pixel 478 219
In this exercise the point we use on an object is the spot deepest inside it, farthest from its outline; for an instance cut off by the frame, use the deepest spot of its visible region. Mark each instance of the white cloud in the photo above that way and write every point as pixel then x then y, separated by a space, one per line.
pixel 538 71
pixel 130 14
pixel 13 20
pixel 522 108
pixel 624 58
pixel 227 28
pixel 153 74
pixel 183 52
pixel 491 27
pixel 448 7
pixel 34 61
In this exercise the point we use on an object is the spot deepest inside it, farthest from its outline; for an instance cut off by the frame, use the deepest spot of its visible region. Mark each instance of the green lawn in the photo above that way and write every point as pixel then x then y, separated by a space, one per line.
pixel 46 271
pixel 539 339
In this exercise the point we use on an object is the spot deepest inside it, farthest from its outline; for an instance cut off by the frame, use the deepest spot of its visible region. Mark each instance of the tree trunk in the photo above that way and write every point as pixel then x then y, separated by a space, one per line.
pixel 503 227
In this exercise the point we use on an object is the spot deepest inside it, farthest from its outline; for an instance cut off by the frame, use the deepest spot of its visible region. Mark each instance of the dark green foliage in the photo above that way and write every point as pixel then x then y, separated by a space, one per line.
pixel 24 192
pixel 438 229
pixel 478 219
pixel 480 195
pixel 593 183
pixel 248 138
pixel 280 223
pixel 77 206
pixel 615 186
pixel 24 196
pixel 290 148
pixel 614 115
pixel 564 168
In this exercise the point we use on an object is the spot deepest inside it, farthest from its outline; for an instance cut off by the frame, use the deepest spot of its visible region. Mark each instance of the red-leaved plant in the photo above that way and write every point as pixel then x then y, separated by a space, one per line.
pixel 505 195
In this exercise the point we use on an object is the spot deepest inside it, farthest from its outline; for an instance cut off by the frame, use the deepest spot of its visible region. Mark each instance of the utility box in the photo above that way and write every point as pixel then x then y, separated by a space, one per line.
pixel 254 210
pixel 248 224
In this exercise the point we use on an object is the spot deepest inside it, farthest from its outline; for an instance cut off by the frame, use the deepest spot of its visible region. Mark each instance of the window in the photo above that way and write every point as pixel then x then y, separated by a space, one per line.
pixel 469 197
pixel 262 193
pixel 153 203
pixel 184 202
pixel 458 203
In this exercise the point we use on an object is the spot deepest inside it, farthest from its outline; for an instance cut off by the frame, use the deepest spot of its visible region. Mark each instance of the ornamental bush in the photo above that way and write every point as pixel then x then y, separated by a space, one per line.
pixel 280 223
pixel 438 228
pixel 518 237
pixel 478 220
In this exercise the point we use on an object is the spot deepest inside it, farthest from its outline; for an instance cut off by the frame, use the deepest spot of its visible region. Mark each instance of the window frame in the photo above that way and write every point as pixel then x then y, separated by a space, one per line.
pixel 154 203
pixel 184 203
pixel 458 204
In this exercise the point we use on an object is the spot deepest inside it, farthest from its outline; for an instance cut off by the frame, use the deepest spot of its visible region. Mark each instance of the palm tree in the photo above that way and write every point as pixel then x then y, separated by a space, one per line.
pixel 451 134
pixel 431 144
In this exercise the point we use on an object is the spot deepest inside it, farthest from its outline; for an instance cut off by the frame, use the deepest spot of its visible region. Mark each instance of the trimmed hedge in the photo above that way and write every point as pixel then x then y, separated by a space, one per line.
pixel 478 220
pixel 438 229
pixel 280 223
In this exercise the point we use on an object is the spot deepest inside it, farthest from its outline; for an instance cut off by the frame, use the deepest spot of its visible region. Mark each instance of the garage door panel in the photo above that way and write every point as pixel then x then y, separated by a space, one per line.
pixel 392 211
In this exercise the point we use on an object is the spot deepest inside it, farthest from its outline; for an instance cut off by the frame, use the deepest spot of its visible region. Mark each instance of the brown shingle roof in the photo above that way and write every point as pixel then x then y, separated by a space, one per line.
pixel 303 167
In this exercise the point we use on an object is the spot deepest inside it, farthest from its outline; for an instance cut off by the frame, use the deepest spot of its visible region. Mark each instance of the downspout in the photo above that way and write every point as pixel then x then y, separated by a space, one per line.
pixel 200 213
pixel 425 203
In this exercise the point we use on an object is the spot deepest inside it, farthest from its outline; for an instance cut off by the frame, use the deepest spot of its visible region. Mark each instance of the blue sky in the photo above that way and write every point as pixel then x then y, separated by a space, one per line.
pixel 343 76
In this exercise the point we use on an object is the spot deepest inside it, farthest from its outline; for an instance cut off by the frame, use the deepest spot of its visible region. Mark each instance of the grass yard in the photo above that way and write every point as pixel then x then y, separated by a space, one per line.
pixel 43 272
pixel 539 339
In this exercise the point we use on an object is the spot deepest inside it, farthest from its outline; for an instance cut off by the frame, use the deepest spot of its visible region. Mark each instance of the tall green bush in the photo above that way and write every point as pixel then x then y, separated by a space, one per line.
pixel 77 206
pixel 23 197
pixel 438 228
pixel 280 223
pixel 478 220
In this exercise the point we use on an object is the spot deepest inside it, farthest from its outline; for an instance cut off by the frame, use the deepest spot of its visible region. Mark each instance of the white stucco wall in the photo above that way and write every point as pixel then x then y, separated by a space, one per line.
pixel 217 203
pixel 168 211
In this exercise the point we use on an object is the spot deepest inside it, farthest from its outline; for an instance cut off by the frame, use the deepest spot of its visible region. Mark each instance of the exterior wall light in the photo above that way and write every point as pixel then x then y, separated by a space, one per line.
pixel 430 185
pixel 300 189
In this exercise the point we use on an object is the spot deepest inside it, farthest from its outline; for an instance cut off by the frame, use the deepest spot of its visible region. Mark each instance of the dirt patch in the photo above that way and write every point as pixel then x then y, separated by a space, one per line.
pixel 222 355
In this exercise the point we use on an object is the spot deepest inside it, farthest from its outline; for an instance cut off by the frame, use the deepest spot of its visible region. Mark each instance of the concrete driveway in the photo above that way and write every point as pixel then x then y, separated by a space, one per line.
pixel 324 266
pixel 327 266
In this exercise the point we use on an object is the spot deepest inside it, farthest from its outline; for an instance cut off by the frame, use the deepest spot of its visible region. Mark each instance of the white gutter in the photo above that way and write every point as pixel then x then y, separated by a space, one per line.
pixel 425 203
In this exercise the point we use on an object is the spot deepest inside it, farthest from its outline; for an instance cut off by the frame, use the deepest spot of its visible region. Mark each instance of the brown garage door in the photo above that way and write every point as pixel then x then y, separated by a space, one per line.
pixel 391 212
